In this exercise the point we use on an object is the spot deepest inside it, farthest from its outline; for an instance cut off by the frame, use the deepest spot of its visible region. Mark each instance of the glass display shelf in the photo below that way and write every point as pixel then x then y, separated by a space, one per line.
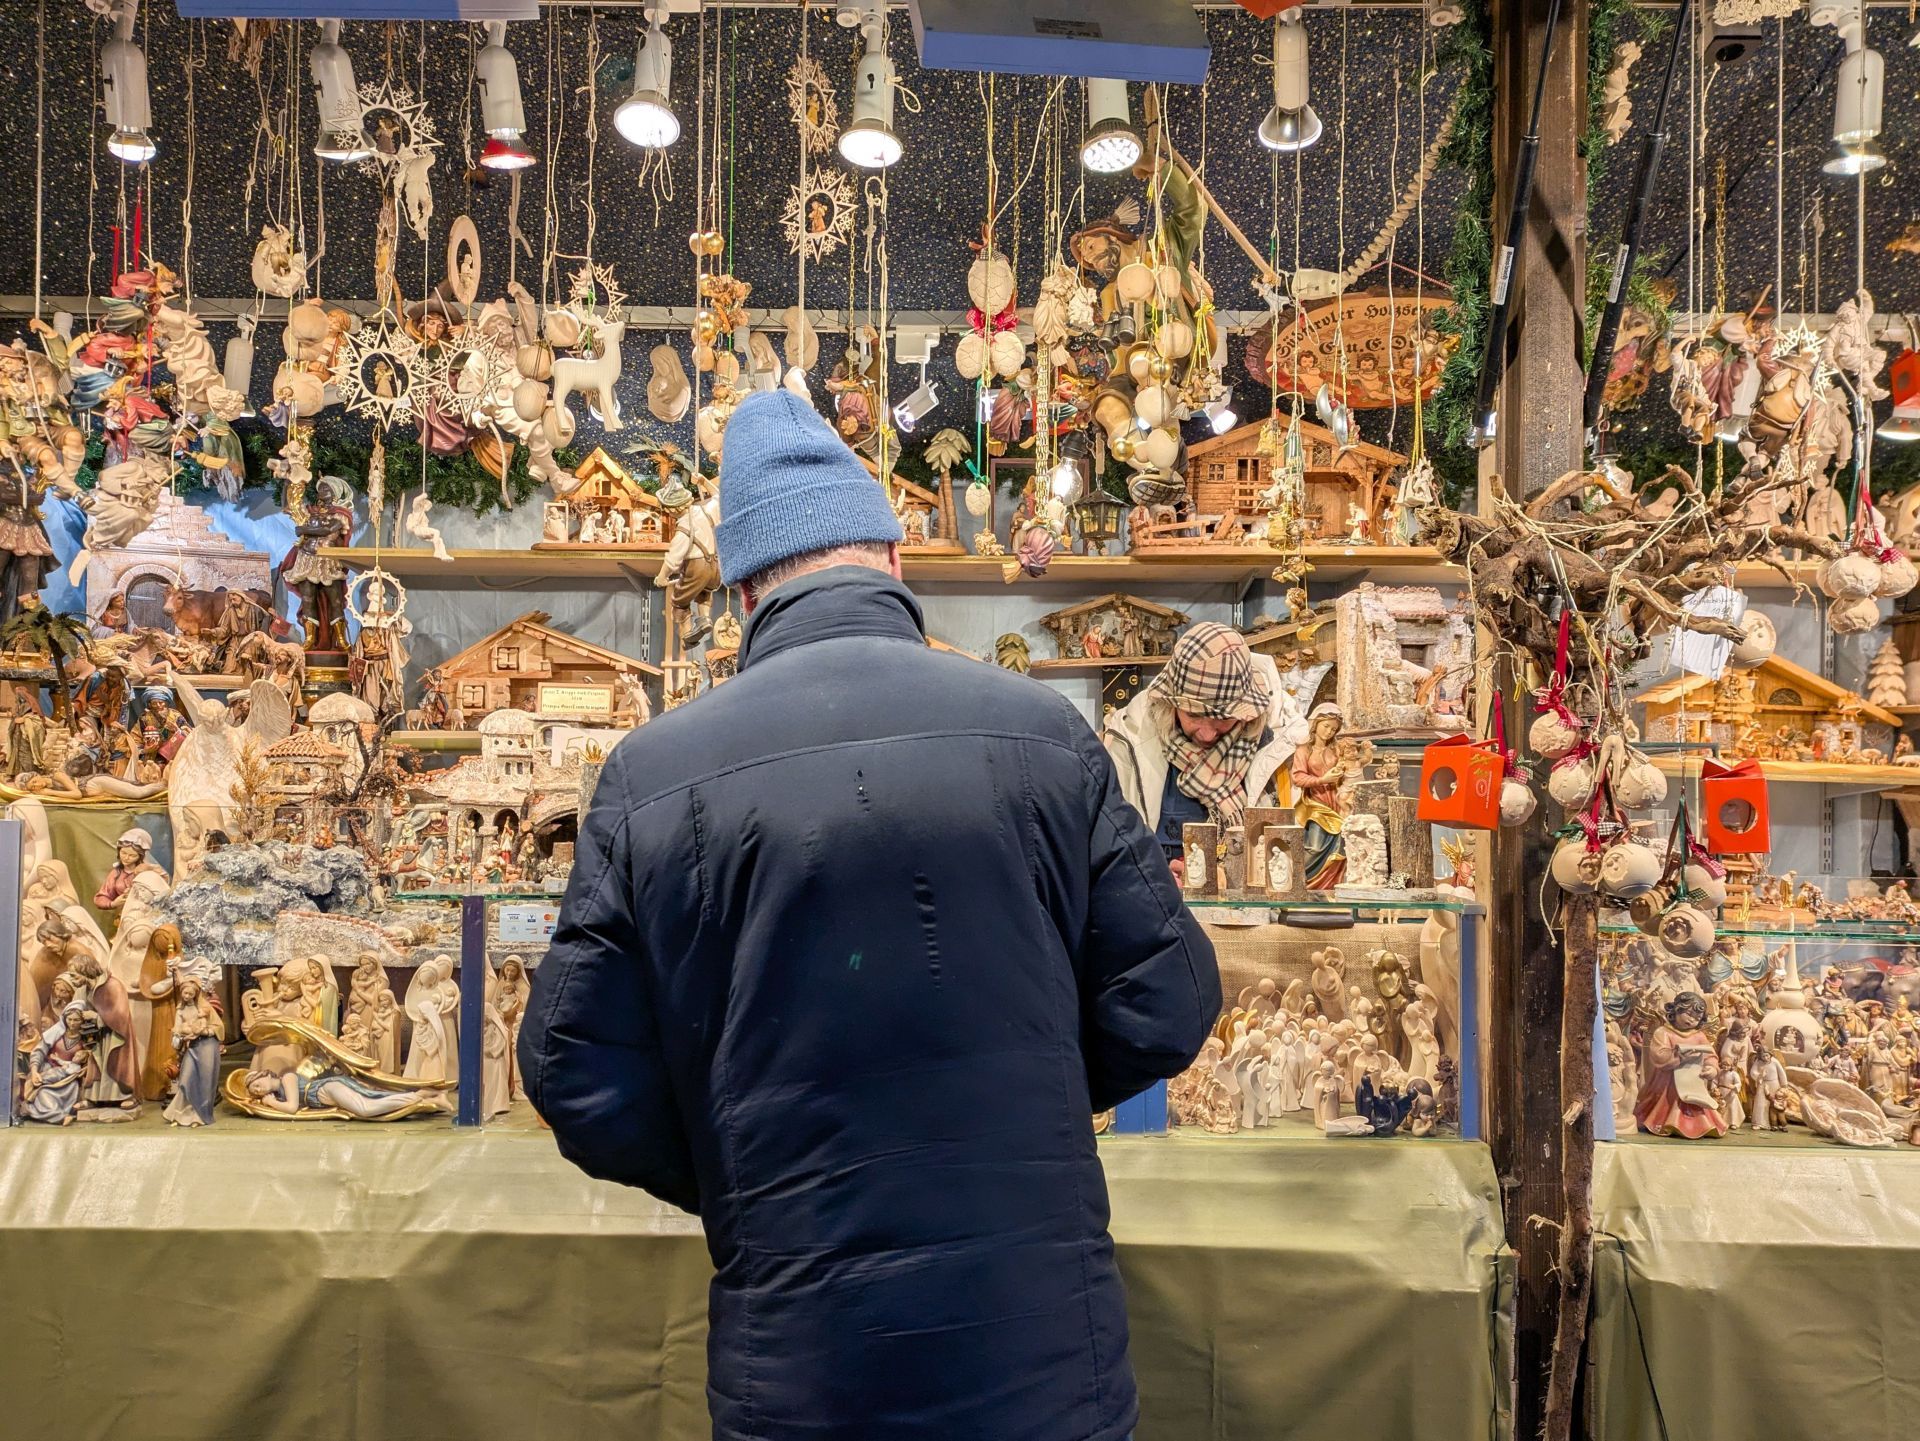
pixel 1881 932
pixel 1336 906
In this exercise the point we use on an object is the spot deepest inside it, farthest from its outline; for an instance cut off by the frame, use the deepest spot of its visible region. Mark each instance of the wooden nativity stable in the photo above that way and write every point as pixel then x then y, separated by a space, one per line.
pixel 528 665
pixel 1227 474
pixel 607 508
pixel 1113 627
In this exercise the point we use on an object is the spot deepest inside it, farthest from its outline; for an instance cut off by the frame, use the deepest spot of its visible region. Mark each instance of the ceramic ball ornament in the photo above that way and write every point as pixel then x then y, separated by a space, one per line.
pixel 1628 869
pixel 1550 737
pixel 1756 644
pixel 1575 869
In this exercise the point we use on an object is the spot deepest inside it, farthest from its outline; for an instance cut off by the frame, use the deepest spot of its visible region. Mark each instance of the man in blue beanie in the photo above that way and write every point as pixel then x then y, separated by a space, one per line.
pixel 853 949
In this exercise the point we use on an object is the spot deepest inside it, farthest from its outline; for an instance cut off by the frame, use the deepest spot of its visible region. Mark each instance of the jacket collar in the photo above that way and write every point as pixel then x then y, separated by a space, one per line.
pixel 843 600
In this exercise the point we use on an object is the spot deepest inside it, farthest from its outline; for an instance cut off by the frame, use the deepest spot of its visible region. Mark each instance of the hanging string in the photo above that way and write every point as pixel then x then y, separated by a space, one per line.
pixel 1779 162
pixel 196 60
pixel 593 124
pixel 39 148
pixel 93 174
pixel 800 128
pixel 1393 313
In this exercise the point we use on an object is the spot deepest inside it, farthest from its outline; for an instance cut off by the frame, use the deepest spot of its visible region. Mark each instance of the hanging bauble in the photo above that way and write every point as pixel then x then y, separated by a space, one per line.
pixel 530 399
pixel 1576 870
pixel 1897 577
pixel 1160 369
pixel 1708 888
pixel 990 283
pixel 705 327
pixel 970 356
pixel 1849 575
pixel 562 329
pixel 1134 283
pixel 534 361
pixel 1154 405
pixel 1572 782
pixel 1007 354
pixel 307 322
pixel 1853 616
pixel 1517 801
pixel 1140 365
pixel 1757 642
pixel 1550 737
pixel 697 242
pixel 1174 340
pixel 557 425
pixel 1122 445
pixel 1628 869
pixel 1167 281
pixel 713 243
pixel 703 357
pixel 303 389
pixel 1686 932
pixel 726 367
pixel 1637 782
pixel 979 499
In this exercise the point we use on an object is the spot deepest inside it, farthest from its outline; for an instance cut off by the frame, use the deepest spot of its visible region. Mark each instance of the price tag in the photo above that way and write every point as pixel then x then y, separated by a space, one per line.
pixel 1701 654
pixel 520 924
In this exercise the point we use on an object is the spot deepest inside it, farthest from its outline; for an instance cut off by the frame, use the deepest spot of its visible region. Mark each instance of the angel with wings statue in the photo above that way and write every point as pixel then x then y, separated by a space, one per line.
pixel 201 776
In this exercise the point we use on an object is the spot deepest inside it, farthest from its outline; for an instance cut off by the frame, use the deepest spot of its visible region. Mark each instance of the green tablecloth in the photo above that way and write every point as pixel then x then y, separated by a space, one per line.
pixel 410 1283
pixel 1749 1292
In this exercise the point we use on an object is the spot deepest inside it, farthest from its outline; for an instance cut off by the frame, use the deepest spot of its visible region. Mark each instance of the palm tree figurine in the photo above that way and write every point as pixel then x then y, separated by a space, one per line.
pixel 61 638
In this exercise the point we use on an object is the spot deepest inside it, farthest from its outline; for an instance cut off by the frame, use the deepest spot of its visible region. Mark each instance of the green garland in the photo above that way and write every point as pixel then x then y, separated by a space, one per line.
pixel 1643 292
pixel 1603 44
pixel 1469 263
pixel 458 481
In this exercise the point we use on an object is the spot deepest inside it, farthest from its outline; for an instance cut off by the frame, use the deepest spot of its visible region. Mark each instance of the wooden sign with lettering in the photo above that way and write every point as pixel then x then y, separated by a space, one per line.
pixel 1379 337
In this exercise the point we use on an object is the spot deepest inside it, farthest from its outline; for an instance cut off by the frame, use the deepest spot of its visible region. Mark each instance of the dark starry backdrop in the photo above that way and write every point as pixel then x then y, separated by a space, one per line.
pixel 938 192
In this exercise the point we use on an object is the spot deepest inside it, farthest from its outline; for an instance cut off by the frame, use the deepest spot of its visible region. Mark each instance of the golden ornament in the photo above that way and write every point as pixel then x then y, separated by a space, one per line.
pixel 705 327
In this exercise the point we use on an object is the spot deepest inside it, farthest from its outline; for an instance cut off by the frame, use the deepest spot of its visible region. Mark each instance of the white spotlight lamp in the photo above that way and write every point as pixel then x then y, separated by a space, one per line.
pixel 1292 124
pixel 1112 144
pixel 1220 414
pixel 869 141
pixel 645 118
pixel 1904 424
pixel 123 74
pixel 917 407
pixel 502 114
pixel 341 138
pixel 1859 93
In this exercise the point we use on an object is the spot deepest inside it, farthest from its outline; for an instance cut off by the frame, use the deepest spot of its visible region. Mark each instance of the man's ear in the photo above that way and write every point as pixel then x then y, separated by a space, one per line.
pixel 748 600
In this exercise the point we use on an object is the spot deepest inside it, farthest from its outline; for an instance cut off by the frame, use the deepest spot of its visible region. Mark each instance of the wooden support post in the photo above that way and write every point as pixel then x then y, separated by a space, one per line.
pixel 1539 440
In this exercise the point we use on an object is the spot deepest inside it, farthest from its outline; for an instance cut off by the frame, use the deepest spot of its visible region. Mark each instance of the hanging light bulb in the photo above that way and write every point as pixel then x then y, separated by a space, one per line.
pixel 645 118
pixel 1112 144
pixel 869 141
pixel 123 74
pixel 502 115
pixel 1859 92
pixel 341 135
pixel 1066 481
pixel 1292 124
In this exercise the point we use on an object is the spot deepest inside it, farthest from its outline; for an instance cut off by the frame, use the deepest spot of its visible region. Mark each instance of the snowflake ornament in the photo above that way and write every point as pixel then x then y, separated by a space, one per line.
pixel 818 218
pixel 381 372
pixel 811 102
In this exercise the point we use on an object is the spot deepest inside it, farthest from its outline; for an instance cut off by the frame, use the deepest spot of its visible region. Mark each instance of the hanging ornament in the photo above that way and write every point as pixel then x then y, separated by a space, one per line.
pixel 592 291
pixel 818 217
pixel 379 372
pixel 811 102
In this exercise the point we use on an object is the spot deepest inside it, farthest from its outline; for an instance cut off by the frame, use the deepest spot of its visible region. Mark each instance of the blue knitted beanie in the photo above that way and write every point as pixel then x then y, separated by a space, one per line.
pixel 790 486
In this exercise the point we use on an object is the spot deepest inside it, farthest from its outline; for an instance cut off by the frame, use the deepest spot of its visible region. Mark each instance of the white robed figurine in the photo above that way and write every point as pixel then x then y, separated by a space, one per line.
pixel 201 775
pixel 433 1005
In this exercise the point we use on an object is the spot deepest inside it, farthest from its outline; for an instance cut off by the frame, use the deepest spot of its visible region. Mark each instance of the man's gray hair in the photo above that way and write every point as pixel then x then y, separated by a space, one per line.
pixel 872 554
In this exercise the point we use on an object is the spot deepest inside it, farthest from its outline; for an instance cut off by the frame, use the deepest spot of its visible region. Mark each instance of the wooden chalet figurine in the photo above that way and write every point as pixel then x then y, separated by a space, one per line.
pixel 1777 711
pixel 527 665
pixel 1347 489
pixel 607 509
pixel 1116 628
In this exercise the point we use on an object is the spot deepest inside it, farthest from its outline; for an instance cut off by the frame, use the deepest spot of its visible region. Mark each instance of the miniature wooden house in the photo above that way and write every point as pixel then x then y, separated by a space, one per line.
pixel 303 771
pixel 1774 712
pixel 1113 627
pixel 606 507
pixel 527 665
pixel 1227 474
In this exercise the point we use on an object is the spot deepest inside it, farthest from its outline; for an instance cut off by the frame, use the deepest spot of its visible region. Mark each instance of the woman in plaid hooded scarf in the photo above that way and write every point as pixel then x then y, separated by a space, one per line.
pixel 1205 740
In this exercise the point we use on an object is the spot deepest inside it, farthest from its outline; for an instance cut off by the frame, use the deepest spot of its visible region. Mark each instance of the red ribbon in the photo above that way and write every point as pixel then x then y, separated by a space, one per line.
pixel 1005 320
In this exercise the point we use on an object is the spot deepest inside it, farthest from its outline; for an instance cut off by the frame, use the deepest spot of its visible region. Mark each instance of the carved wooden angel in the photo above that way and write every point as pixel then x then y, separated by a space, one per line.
pixel 200 778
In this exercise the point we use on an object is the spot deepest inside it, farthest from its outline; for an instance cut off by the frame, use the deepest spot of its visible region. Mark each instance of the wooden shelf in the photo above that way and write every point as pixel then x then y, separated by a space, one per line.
pixel 1333 564
pixel 1400 564
pixel 436 740
pixel 1081 666
pixel 1822 773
